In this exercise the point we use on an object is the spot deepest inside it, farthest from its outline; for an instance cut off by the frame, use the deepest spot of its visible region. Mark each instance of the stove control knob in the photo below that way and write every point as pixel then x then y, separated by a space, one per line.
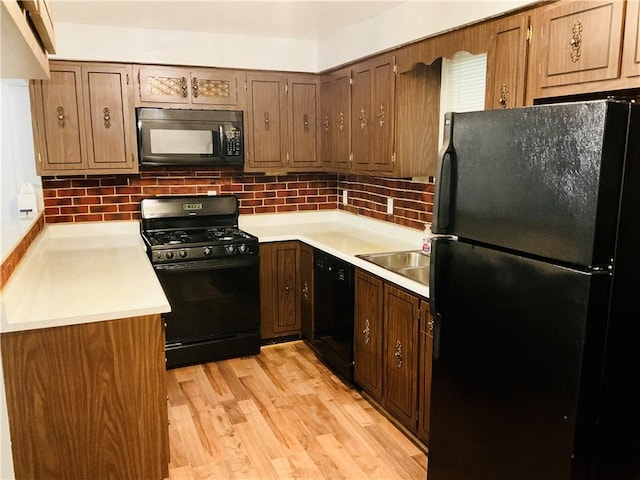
pixel 231 249
pixel 207 251
pixel 183 254
pixel 169 255
pixel 243 248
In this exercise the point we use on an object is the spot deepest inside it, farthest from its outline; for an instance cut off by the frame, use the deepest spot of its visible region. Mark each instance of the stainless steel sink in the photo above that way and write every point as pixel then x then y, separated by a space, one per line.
pixel 412 264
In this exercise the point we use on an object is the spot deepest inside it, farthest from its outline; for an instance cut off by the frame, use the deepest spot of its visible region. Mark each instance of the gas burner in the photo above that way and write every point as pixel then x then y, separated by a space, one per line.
pixel 171 238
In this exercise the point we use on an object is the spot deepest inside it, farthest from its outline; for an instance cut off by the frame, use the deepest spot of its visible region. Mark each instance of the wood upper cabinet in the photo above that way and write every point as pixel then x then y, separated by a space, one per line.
pixel 400 355
pixel 507 60
pixel 424 371
pixel 195 87
pixel 83 119
pixel 368 340
pixel 88 401
pixel 373 115
pixel 335 122
pixel 631 51
pixel 580 48
pixel 282 124
pixel 279 289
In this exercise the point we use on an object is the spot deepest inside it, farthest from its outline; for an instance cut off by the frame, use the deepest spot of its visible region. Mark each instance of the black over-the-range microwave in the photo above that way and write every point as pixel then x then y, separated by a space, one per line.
pixel 169 136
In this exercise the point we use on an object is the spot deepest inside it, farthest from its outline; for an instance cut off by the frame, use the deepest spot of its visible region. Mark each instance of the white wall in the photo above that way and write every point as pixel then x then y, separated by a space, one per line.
pixel 407 22
pixel 148 45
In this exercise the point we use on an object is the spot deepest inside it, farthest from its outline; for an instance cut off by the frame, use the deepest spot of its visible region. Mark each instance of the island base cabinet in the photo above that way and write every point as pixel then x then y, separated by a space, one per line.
pixel 88 401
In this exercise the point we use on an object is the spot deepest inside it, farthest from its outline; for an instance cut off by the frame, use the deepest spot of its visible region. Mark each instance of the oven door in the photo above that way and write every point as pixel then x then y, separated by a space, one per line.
pixel 215 309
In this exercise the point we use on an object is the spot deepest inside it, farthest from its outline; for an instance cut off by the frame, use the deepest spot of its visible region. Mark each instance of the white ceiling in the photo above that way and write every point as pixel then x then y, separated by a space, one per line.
pixel 301 19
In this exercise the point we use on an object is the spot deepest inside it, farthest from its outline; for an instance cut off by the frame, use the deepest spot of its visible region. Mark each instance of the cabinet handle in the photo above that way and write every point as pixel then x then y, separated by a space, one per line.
pixel 305 290
pixel 381 115
pixel 363 120
pixel 366 332
pixel 340 120
pixel 430 325
pixel 325 123
pixel 61 120
pixel 305 121
pixel 195 87
pixel 398 354
pixel 576 42
pixel 287 287
pixel 39 158
pixel 504 91
pixel 266 121
pixel 184 87
pixel 106 117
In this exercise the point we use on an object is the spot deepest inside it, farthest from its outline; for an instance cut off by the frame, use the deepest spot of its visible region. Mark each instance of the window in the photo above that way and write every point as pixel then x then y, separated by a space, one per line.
pixel 463 84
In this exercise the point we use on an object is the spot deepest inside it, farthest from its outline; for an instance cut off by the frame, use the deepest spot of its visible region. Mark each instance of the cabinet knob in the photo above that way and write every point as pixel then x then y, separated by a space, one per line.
pixel 504 91
pixel 398 354
pixel 576 41
pixel 195 88
pixel 184 87
pixel 363 118
pixel 106 117
pixel 366 332
pixel 266 121
pixel 305 122
pixel 61 119
pixel 381 115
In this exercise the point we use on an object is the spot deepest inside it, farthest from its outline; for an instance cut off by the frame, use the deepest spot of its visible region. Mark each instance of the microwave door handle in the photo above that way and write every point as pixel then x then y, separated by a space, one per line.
pixel 221 137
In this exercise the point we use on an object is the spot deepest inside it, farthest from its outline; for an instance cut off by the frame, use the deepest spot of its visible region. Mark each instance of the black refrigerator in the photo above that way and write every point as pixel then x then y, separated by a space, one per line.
pixel 535 276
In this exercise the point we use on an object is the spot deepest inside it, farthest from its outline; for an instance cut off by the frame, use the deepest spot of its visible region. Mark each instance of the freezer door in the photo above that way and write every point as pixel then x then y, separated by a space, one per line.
pixel 540 180
pixel 517 344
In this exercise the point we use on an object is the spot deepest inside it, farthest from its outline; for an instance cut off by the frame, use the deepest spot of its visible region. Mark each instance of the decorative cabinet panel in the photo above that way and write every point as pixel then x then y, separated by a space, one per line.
pixel 83 120
pixel 282 124
pixel 335 136
pixel 197 88
pixel 279 290
pixel 424 371
pixel 580 48
pixel 373 115
pixel 88 401
pixel 507 62
pixel 306 290
pixel 400 357
pixel 368 325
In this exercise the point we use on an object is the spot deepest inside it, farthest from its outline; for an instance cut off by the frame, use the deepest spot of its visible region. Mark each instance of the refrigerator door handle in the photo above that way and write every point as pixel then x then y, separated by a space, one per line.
pixel 444 179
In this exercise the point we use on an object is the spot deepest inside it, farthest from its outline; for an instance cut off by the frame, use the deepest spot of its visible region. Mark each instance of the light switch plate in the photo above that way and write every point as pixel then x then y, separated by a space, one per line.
pixel 389 206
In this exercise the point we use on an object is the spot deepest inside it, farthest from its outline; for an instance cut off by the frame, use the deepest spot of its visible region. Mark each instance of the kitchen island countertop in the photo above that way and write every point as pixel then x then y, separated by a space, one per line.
pixel 81 273
pixel 343 235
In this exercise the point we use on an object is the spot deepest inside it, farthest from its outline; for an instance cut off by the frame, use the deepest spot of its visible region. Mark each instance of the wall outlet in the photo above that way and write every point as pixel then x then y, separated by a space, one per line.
pixel 211 192
pixel 389 206
pixel 344 197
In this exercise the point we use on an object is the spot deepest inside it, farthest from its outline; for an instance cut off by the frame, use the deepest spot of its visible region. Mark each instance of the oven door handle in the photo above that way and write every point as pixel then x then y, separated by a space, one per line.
pixel 218 264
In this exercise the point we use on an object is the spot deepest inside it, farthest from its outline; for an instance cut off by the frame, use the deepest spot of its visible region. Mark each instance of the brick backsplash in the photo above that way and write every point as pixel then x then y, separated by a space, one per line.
pixel 117 197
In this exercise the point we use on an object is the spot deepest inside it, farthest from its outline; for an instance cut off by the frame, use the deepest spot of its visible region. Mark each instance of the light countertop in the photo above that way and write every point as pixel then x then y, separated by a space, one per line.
pixel 81 273
pixel 343 235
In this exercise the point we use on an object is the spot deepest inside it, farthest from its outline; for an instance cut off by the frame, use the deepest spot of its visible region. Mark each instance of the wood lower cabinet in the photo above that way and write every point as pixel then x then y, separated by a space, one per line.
pixel 83 120
pixel 400 391
pixel 389 351
pixel 279 290
pixel 368 339
pixel 424 371
pixel 162 86
pixel 88 401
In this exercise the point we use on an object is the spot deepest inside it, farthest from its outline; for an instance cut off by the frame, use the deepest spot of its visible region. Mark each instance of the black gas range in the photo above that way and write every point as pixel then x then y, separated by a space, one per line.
pixel 209 270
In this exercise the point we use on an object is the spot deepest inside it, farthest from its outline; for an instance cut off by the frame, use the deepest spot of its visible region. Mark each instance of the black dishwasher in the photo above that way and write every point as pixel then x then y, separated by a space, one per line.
pixel 333 312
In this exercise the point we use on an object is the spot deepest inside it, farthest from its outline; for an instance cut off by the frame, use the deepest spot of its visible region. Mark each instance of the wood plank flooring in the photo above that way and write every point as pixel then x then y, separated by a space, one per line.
pixel 280 415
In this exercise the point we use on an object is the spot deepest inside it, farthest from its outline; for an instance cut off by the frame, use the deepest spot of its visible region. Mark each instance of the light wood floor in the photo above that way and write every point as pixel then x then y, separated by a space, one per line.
pixel 280 414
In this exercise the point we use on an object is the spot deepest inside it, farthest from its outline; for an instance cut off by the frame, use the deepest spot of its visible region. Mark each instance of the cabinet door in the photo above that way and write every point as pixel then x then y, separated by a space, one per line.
pixel 280 305
pixel 108 116
pixel 507 64
pixel 216 87
pixel 164 85
pixel 327 120
pixel 581 42
pixel 306 291
pixel 400 390
pixel 266 122
pixel 303 122
pixel 631 49
pixel 362 116
pixel 57 111
pixel 341 122
pixel 368 323
pixel 424 371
